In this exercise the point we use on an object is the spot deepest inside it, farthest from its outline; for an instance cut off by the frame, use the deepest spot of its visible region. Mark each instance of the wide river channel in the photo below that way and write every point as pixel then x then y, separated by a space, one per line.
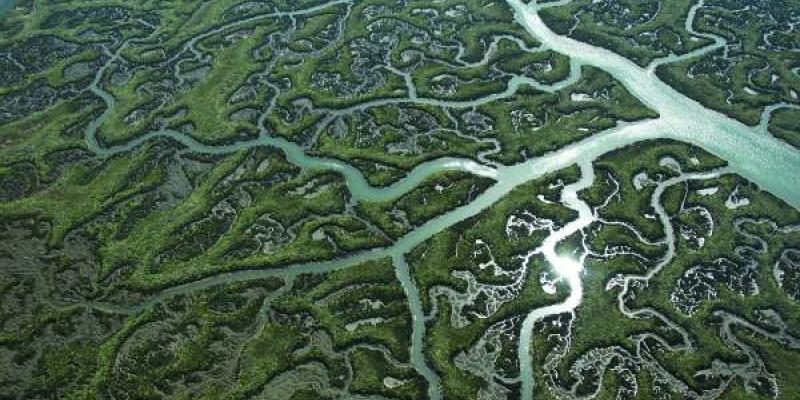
pixel 750 152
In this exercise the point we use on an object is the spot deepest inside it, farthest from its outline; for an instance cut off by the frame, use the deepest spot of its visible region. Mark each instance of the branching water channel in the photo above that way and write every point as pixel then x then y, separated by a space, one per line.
pixel 770 163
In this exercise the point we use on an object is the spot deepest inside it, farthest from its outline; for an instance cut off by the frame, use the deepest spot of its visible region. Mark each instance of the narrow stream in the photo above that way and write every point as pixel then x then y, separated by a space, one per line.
pixel 566 267
pixel 719 42
pixel 769 162
pixel 763 159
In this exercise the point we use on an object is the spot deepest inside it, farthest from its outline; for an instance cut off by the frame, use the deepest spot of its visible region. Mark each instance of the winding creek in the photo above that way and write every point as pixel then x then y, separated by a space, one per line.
pixel 758 157
pixel 566 268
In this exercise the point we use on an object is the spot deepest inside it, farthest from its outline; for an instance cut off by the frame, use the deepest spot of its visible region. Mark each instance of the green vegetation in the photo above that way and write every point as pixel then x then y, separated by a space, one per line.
pixel 756 68
pixel 480 246
pixel 785 124
pixel 679 292
pixel 638 30
pixel 438 194
pixel 217 200
pixel 747 60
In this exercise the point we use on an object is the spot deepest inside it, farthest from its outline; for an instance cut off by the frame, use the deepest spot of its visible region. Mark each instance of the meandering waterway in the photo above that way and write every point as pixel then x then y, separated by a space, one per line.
pixel 761 158
pixel 772 164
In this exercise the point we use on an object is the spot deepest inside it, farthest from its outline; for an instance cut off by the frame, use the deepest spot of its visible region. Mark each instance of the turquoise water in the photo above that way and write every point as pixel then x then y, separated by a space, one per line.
pixel 755 155
pixel 6 5
pixel 751 152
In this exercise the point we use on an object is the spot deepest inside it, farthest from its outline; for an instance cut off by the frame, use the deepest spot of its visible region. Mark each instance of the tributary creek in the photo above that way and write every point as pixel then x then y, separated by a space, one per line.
pixel 750 152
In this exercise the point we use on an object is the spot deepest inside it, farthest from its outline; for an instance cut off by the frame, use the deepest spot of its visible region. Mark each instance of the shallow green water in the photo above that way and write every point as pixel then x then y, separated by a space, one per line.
pixel 6 5
pixel 752 153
